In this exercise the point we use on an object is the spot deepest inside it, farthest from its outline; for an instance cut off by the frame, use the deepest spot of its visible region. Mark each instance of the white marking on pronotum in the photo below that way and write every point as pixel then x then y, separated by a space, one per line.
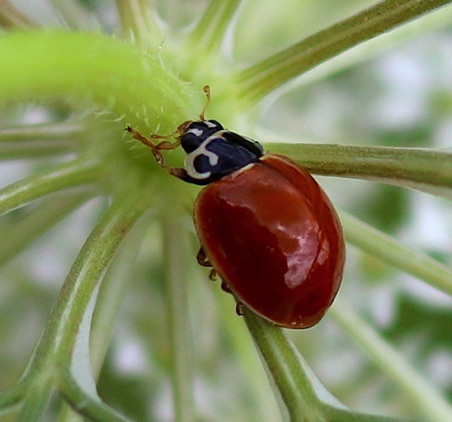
pixel 197 132
pixel 201 150
pixel 210 124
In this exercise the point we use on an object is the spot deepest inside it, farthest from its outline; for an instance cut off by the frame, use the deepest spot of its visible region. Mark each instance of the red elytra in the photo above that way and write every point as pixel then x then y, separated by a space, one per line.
pixel 273 236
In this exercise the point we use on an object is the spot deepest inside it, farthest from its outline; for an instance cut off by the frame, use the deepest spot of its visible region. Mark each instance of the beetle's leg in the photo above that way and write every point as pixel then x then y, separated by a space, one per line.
pixel 225 287
pixel 202 259
pixel 238 305
pixel 157 148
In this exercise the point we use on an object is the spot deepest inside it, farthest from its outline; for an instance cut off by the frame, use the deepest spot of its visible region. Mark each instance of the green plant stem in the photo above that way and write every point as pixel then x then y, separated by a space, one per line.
pixel 334 414
pixel 88 269
pixel 61 177
pixel 115 285
pixel 38 140
pixel 113 289
pixel 58 342
pixel 384 247
pixel 376 47
pixel 11 398
pixel 422 169
pixel 245 350
pixel 41 219
pixel 138 23
pixel 96 70
pixel 175 262
pixel 210 30
pixel 92 409
pixel 264 77
pixel 286 368
pixel 35 403
pixel 423 396
pixel 304 397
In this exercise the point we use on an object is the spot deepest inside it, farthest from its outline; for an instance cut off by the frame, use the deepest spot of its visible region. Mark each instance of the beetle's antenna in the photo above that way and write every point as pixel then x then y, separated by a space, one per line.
pixel 180 129
pixel 206 90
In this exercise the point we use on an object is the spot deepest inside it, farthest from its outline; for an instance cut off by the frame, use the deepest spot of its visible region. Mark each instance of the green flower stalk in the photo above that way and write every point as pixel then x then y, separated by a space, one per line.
pixel 134 285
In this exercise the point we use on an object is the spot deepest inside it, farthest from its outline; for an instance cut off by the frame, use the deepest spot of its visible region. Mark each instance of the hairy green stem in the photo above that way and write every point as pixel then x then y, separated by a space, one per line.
pixel 96 70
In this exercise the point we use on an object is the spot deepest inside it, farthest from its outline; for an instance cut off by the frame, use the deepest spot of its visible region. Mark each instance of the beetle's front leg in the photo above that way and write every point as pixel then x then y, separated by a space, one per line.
pixel 156 149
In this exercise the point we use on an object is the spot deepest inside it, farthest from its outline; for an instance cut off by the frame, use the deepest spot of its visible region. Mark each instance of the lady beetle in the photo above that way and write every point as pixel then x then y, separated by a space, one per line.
pixel 265 226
